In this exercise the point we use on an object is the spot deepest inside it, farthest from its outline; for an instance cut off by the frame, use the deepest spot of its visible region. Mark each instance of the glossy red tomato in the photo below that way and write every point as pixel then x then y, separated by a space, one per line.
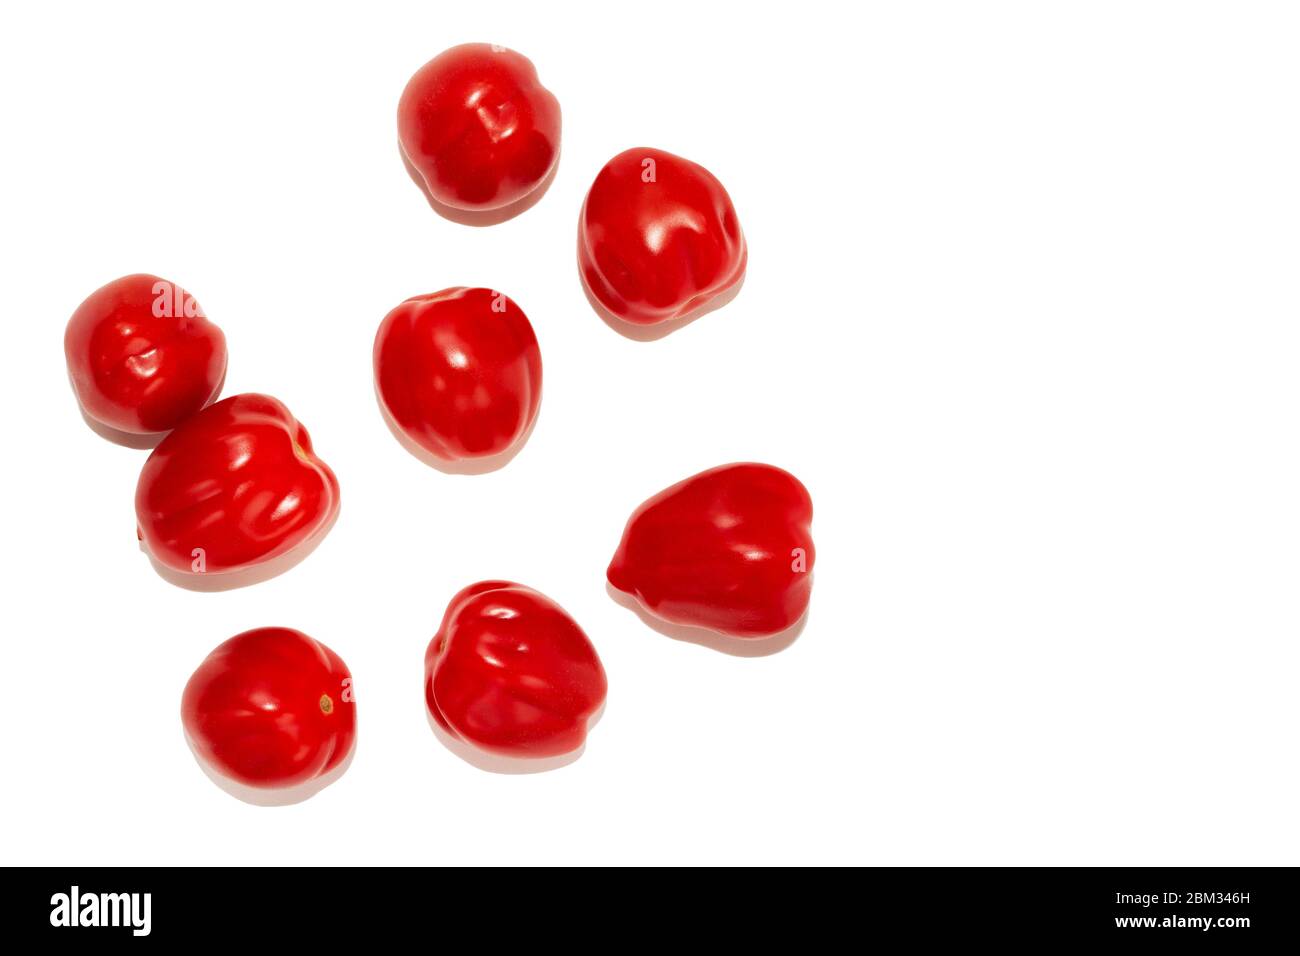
pixel 459 371
pixel 142 356
pixel 478 127
pixel 234 486
pixel 271 707
pixel 658 238
pixel 511 673
pixel 729 549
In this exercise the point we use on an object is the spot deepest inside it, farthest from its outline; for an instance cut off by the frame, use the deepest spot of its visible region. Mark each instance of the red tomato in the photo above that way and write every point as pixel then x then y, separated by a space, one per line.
pixel 142 356
pixel 511 673
pixel 232 487
pixel 459 371
pixel 729 549
pixel 478 127
pixel 658 238
pixel 271 708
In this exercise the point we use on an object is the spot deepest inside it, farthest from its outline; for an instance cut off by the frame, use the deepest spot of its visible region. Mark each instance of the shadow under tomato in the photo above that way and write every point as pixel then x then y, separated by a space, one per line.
pixel 136 440
pixel 229 580
pixel 463 466
pixel 496 763
pixel 270 796
pixel 649 333
pixel 481 217
pixel 714 640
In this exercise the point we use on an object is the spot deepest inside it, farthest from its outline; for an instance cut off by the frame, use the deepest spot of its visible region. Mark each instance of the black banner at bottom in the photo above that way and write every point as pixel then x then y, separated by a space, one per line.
pixel 1237 908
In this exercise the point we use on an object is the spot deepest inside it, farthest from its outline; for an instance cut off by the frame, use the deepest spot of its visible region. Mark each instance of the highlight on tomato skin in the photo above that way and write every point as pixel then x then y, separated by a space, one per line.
pixel 729 550
pixel 271 708
pixel 234 487
pixel 142 356
pixel 511 673
pixel 478 128
pixel 658 238
pixel 459 372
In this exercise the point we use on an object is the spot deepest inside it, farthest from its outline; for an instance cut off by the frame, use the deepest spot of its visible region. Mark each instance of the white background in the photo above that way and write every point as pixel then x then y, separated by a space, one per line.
pixel 1021 312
